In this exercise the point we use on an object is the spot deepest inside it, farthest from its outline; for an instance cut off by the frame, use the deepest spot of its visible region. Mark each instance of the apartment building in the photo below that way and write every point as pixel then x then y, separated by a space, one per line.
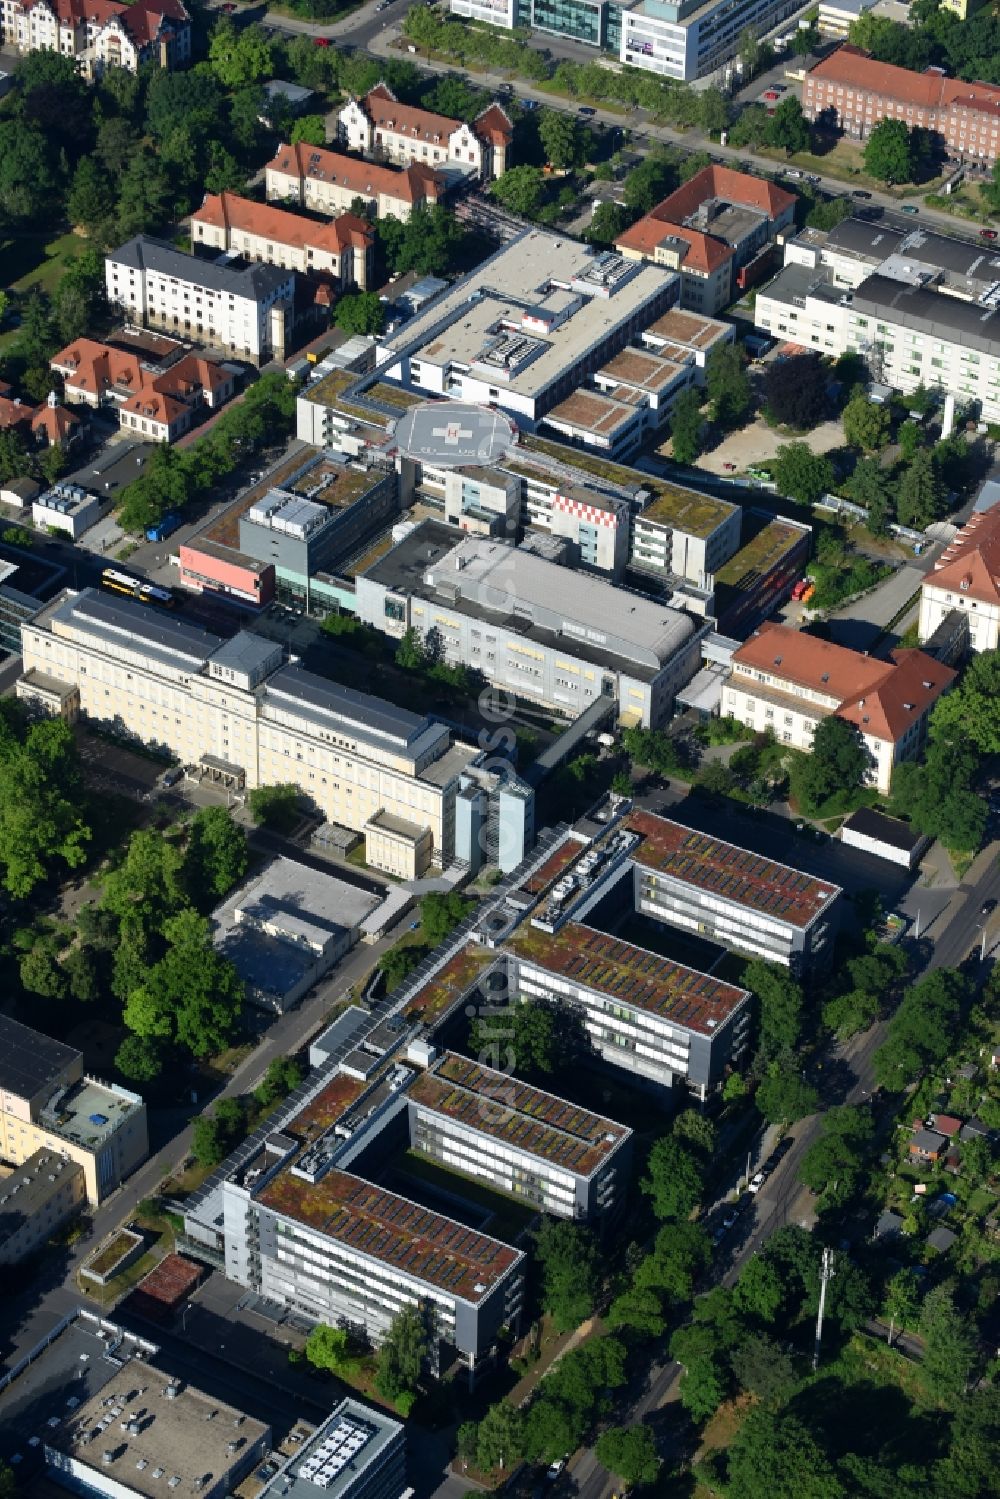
pixel 233 712
pixel 246 312
pixel 679 533
pixel 381 127
pixel 528 326
pixel 966 578
pixel 785 681
pixel 546 633
pixel 854 92
pixel 100 34
pixel 304 1230
pixel 158 404
pixel 732 895
pixel 48 1103
pixel 708 231
pixel 342 250
pixel 558 1157
pixel 332 183
pixel 661 1021
pixel 36 1199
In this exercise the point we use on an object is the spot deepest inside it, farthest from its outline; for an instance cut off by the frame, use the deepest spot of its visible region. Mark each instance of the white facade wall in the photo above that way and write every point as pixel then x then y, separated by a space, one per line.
pixel 983 616
pixel 242 325
pixel 794 723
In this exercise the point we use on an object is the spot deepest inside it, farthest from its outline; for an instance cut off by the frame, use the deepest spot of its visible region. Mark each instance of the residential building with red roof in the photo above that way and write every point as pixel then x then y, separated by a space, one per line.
pixel 709 230
pixel 47 425
pixel 786 681
pixel 100 34
pixel 343 249
pixel 158 404
pixel 380 127
pixel 966 577
pixel 854 92
pixel 330 182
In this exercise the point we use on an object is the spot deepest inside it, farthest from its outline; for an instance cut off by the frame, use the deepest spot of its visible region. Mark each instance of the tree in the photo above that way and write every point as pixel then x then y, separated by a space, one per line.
pixel 147 886
pixel 41 974
pixel 784 1096
pixel 761 1366
pixel 396 964
pixel 833 1164
pixel 760 1291
pixel 649 182
pixel 902 1299
pixel 500 1437
pixel 868 486
pixel 920 497
pixel 217 1133
pixel 570 1270
pixel 693 1127
pixel 780 999
pixel 42 805
pixel 703 1383
pixel 774 1456
pixel 193 996
pixel 608 222
pixel 440 913
pixel 276 806
pixel 838 763
pixel 640 1310
pixel 972 710
pixel 563 139
pixel 310 130
pixel 551 1429
pixel 685 427
pixel 410 653
pixel 630 1452
pixel 680 1252
pixel 282 1077
pixel 520 190
pixel 401 1356
pixel 673 1179
pixel 144 195
pixel 866 424
pixel 530 1038
pixel 789 128
pixel 139 1059
pixel 727 384
pixel 331 1348
pixel 30 186
pixel 969 1470
pixel 81 974
pixel 800 473
pixel 239 57
pixel 217 855
pixel 949 1345
pixel 87 203
pixel 795 391
pixel 889 153
pixel 752 127
pixel 360 312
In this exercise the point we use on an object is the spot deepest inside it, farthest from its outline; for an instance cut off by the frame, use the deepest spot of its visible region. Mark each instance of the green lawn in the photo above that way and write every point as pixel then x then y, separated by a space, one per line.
pixel 30 260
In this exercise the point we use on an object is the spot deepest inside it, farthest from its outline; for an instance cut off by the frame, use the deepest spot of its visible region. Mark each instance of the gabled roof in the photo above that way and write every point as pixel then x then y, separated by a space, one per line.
pixel 704 253
pixel 96 368
pixel 230 211
pixel 729 185
pixel 412 184
pixel 970 564
pixel 142 21
pixel 14 413
pixel 881 698
pixel 386 113
pixel 850 65
pixel 55 421
pixel 494 125
pixel 155 405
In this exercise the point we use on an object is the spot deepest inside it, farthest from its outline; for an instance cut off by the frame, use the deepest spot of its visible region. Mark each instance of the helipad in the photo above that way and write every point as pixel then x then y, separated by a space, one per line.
pixel 453 434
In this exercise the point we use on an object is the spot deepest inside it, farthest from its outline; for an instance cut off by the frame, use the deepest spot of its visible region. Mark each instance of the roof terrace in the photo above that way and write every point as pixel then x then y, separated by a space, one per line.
pixel 631 975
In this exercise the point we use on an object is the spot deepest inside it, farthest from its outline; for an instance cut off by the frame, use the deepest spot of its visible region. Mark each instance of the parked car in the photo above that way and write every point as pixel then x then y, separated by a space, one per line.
pixel 800 588
pixel 530 103
pixel 172 776
pixel 909 208
pixel 731 1216
pixel 585 109
pixel 757 1182
pixel 793 173
pixel 987 234
pixel 859 192
pixel 321 41
pixel 770 93
pixel 556 1468
pixel 809 593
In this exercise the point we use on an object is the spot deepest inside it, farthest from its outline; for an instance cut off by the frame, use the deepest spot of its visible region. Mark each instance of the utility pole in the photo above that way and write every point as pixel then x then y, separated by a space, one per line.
pixel 825 1276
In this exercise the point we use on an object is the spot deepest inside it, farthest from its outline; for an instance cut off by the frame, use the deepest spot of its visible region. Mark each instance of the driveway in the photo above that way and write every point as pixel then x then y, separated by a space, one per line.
pixel 859 624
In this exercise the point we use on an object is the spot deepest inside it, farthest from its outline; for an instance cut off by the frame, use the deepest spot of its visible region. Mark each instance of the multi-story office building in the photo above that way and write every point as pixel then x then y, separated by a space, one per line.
pixel 558 1157
pixel 330 182
pixel 785 681
pixel 687 338
pixel 47 1103
pixel 966 579
pixel 247 312
pixel 303 1230
pixel 546 633
pixel 732 895
pixel 344 249
pixel 301 536
pixel 356 1453
pixel 681 534
pixel 494 814
pixel 659 1020
pixel 854 92
pixel 102 34
pixel 681 39
pixel 43 1193
pixel 232 711
pixel 528 325
pixel 589 512
pixel 708 231
pixel 380 126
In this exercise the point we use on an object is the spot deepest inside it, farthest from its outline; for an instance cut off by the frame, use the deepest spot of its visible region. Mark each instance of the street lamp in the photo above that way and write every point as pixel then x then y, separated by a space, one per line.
pixel 981 927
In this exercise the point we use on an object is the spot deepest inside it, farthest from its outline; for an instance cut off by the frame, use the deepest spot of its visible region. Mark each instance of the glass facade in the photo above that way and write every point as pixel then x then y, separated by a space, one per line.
pixel 582 20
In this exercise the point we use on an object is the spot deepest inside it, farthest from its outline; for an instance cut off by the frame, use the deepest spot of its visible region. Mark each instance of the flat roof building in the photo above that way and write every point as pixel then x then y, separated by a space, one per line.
pixel 232 711
pixel 544 632
pixel 732 895
pixel 47 1102
pixel 528 325
pixel 358 1452
pixel 288 927
pixel 36 1199
pixel 560 1158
